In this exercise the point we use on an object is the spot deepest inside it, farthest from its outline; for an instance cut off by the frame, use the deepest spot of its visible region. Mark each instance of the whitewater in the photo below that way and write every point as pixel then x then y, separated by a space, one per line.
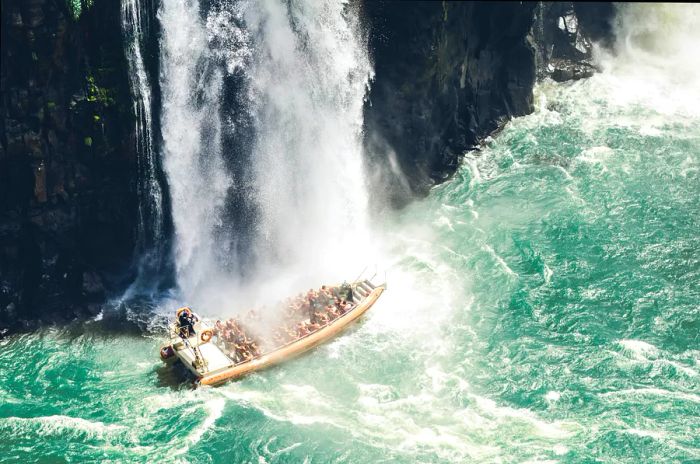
pixel 542 304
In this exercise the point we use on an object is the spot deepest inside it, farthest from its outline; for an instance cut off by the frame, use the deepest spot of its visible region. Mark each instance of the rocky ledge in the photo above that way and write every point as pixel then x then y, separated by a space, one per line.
pixel 449 74
pixel 67 196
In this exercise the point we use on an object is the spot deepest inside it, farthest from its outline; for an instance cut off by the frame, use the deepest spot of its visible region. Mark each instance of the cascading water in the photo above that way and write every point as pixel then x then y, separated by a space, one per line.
pixel 542 304
pixel 309 78
pixel 150 235
pixel 306 70
pixel 191 86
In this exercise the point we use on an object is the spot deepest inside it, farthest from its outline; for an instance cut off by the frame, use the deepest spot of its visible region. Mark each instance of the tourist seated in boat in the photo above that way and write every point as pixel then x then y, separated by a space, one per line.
pixel 253 348
pixel 302 330
pixel 326 310
pixel 289 309
pixel 331 312
pixel 313 326
pixel 227 339
pixel 321 318
pixel 316 299
pixel 218 328
pixel 242 354
pixel 186 321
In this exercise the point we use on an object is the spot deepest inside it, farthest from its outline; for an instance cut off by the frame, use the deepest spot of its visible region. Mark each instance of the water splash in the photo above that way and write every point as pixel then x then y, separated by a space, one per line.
pixel 191 89
pixel 309 79
pixel 303 70
pixel 655 53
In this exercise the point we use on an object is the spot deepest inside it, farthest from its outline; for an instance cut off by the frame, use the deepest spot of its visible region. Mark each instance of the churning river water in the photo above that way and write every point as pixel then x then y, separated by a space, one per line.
pixel 542 306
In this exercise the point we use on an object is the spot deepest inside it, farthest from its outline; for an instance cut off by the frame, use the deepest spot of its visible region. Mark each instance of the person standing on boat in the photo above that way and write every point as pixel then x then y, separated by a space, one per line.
pixel 186 321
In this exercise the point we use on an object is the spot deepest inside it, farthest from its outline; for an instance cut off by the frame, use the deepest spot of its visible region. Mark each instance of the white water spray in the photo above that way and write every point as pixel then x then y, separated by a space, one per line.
pixel 191 126
pixel 655 58
pixel 309 79
pixel 307 68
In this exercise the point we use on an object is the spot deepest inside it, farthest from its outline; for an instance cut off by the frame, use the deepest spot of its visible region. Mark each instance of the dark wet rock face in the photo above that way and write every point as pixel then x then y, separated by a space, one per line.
pixel 449 74
pixel 67 197
pixel 564 33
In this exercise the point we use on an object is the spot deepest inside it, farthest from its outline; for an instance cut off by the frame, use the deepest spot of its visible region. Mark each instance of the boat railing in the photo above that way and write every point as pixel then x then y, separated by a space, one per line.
pixel 176 333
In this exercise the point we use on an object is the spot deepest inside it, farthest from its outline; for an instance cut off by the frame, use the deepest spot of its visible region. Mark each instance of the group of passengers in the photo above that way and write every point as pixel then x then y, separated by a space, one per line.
pixel 301 315
pixel 233 337
pixel 308 312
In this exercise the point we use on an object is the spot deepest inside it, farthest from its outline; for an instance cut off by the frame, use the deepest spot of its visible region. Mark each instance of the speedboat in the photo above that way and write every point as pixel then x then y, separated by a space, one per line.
pixel 206 358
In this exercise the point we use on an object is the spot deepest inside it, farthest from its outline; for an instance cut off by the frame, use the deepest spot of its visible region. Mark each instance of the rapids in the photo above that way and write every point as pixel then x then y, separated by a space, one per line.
pixel 542 306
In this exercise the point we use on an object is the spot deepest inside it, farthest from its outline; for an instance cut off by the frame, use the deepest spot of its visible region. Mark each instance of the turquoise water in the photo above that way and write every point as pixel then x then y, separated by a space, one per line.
pixel 543 306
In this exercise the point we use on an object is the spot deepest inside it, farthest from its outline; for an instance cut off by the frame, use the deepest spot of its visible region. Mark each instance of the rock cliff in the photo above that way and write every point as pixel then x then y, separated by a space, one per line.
pixel 449 74
pixel 67 194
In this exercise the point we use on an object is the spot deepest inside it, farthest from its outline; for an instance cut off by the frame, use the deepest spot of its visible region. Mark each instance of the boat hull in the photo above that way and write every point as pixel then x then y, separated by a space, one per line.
pixel 294 348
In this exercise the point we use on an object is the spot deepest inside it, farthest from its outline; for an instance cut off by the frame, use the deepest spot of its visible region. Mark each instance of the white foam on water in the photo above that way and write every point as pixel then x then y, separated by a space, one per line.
pixel 556 429
pixel 598 156
pixel 628 392
pixel 279 452
pixel 444 221
pixel 640 350
pixel 475 177
pixel 655 63
pixel 499 260
pixel 646 353
pixel 293 407
pixel 566 174
pixel 689 371
pixel 214 409
pixel 646 433
pixel 60 425
pixel 547 273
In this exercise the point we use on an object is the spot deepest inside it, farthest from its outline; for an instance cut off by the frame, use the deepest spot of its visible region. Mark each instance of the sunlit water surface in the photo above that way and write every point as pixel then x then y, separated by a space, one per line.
pixel 543 306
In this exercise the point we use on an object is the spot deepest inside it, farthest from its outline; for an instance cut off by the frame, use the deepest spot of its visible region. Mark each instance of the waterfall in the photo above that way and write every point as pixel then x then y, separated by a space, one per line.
pixel 262 121
pixel 150 210
pixel 191 86
pixel 308 82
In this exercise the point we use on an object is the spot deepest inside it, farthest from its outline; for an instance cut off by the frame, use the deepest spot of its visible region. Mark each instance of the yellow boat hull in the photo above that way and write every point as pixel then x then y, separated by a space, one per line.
pixel 294 348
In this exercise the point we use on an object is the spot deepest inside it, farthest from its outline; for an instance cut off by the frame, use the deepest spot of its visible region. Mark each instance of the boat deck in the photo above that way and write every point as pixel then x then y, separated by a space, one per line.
pixel 214 358
pixel 215 366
